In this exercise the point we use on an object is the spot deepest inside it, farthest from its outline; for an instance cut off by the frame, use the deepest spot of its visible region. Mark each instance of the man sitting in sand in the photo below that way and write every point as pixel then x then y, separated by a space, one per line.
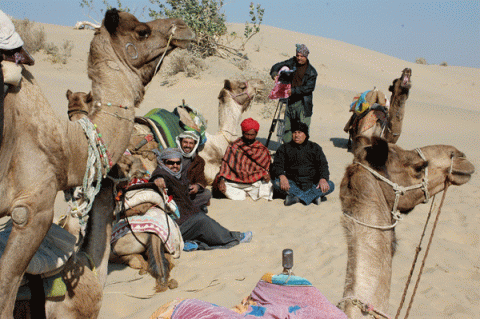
pixel 194 169
pixel 245 167
pixel 300 169
pixel 199 231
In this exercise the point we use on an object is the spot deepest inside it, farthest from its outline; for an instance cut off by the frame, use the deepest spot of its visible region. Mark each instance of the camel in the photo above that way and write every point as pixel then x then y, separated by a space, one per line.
pixel 370 210
pixel 41 155
pixel 128 250
pixel 86 273
pixel 376 122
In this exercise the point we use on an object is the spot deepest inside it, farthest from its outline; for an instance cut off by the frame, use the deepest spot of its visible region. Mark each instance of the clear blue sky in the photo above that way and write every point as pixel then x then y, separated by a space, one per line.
pixel 435 30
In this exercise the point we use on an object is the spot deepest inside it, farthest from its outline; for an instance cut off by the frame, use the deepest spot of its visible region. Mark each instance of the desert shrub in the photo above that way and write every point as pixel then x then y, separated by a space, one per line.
pixel 99 13
pixel 59 55
pixel 204 18
pixel 185 61
pixel 33 37
pixel 207 20
pixel 421 61
pixel 443 63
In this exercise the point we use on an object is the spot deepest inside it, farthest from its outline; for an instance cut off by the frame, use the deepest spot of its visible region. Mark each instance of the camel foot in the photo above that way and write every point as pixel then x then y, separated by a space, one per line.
pixel 172 284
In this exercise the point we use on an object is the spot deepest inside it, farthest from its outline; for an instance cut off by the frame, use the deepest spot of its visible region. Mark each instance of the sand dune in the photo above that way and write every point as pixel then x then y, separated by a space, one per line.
pixel 442 108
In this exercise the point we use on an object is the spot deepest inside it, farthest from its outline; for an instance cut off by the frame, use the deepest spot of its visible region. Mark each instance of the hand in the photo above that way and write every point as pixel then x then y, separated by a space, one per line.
pixel 193 189
pixel 284 184
pixel 267 178
pixel 323 185
pixel 221 186
pixel 160 182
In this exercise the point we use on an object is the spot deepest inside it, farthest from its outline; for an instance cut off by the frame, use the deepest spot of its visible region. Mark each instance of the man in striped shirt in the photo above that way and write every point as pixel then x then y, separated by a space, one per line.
pixel 245 167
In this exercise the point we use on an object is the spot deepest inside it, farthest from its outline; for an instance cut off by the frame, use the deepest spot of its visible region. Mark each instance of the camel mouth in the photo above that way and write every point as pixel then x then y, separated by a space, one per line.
pixel 406 81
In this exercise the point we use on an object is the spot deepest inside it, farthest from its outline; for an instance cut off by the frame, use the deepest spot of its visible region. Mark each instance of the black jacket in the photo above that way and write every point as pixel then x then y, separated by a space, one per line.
pixel 304 164
pixel 308 83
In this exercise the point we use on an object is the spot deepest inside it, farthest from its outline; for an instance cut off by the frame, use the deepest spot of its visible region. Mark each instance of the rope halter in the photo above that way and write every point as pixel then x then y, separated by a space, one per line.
pixel 234 96
pixel 399 191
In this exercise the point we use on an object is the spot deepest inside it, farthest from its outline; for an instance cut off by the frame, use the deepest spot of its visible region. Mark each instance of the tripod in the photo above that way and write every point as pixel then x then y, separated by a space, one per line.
pixel 282 103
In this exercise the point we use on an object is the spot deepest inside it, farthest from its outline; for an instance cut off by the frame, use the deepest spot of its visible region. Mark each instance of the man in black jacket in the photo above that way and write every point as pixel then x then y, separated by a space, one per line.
pixel 303 79
pixel 300 169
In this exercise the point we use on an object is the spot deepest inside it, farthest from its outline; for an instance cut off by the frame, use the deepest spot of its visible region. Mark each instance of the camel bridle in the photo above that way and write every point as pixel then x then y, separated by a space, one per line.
pixel 399 191
pixel 235 96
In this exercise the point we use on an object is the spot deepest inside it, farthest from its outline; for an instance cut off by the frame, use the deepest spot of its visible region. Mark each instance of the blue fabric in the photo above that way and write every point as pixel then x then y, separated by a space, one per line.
pixel 307 196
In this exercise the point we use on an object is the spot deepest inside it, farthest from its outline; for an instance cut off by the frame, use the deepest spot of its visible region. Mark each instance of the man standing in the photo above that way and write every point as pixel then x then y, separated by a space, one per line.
pixel 198 230
pixel 303 79
pixel 245 167
pixel 194 169
pixel 300 169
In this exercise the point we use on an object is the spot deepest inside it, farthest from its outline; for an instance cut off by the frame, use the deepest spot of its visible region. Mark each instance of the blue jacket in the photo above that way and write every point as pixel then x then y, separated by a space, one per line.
pixel 308 83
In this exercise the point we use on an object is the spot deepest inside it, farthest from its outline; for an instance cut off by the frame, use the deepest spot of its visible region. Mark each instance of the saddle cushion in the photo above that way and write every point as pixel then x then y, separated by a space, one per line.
pixel 12 73
pixel 56 248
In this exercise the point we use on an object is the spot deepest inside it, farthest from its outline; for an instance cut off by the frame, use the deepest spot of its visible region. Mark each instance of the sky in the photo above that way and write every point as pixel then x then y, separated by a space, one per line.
pixel 438 31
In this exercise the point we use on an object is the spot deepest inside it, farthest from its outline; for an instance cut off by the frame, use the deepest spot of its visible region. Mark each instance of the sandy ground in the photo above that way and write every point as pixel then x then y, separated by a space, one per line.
pixel 442 109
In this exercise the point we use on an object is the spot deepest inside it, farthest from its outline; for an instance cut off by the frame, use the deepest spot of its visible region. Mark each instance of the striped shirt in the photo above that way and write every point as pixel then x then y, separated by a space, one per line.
pixel 245 163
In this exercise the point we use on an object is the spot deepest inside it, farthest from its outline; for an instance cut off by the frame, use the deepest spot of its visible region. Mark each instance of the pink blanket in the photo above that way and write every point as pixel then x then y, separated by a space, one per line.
pixel 275 298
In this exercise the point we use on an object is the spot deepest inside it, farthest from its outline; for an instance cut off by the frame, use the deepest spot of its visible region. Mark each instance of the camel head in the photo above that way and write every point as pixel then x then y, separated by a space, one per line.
pixel 402 84
pixel 437 163
pixel 241 92
pixel 122 40
pixel 79 104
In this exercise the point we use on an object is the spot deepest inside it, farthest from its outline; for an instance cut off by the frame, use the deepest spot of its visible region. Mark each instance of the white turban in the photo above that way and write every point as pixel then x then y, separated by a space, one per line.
pixel 188 134
pixel 9 38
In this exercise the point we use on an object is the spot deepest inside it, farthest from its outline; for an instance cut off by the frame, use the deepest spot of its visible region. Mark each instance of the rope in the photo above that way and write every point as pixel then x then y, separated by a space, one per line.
pixel 417 252
pixel 364 307
pixel 93 174
pixel 447 184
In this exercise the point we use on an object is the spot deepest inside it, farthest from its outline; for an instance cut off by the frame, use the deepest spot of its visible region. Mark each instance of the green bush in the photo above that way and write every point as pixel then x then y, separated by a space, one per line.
pixel 444 63
pixel 204 18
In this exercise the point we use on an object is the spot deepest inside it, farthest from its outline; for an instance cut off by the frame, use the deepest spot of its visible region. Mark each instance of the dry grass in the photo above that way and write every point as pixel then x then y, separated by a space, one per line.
pixel 34 37
pixel 421 61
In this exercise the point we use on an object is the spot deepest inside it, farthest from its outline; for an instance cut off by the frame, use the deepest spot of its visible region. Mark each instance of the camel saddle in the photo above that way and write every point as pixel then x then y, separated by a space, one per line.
pixel 56 249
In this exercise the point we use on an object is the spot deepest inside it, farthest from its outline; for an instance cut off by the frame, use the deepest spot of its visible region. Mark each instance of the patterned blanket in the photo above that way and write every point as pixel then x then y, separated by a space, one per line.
pixel 154 221
pixel 275 296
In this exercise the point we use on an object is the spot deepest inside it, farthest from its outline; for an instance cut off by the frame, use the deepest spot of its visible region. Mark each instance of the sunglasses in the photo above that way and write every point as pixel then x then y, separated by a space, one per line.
pixel 168 162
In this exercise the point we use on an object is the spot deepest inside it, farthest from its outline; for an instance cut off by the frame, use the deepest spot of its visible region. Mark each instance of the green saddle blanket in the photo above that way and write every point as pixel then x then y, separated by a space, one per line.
pixel 170 125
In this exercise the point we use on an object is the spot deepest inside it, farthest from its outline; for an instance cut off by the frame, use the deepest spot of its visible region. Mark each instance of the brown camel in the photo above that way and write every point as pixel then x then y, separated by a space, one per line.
pixel 41 155
pixel 86 274
pixel 376 122
pixel 370 210
pixel 130 248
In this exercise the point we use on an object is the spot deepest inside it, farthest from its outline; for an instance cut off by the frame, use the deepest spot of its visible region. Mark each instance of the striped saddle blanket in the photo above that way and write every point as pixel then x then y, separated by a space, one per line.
pixel 168 125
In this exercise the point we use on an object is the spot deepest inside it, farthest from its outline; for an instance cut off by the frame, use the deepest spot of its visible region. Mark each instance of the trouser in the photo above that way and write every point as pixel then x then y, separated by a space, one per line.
pixel 306 196
pixel 208 233
pixel 294 112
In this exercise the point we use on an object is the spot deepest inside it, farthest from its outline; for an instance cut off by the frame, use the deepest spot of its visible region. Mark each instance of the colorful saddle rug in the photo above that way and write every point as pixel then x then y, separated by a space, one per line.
pixel 154 221
pixel 371 118
pixel 171 124
pixel 275 296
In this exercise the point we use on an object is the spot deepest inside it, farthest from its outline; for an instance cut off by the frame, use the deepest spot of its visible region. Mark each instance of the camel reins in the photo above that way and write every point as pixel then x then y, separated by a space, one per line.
pixel 399 191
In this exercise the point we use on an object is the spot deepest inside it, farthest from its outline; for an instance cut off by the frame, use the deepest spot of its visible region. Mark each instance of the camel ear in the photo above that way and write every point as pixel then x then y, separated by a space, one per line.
pixel 111 20
pixel 227 85
pixel 391 87
pixel 377 153
pixel 89 97
pixel 69 93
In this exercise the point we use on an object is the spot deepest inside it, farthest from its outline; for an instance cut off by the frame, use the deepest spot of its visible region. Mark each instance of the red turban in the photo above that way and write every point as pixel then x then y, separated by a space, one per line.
pixel 249 124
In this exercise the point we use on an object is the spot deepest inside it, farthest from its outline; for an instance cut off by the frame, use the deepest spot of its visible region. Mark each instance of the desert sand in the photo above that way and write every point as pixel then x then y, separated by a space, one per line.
pixel 442 108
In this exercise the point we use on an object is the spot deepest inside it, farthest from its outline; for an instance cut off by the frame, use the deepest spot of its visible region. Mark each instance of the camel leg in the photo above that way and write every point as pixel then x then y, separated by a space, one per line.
pixel 29 229
pixel 135 261
pixel 158 264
